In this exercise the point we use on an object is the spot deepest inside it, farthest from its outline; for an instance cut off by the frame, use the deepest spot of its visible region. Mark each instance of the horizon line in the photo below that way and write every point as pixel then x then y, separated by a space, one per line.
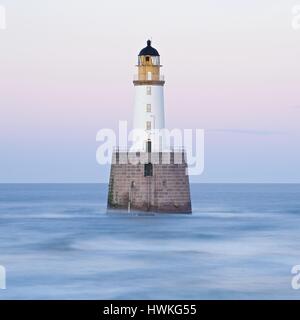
pixel 220 182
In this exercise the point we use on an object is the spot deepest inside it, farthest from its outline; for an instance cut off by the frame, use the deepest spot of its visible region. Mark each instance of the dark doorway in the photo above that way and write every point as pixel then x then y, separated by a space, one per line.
pixel 148 146
pixel 148 170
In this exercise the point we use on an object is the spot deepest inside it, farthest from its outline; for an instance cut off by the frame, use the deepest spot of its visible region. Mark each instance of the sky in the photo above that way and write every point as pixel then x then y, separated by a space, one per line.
pixel 231 67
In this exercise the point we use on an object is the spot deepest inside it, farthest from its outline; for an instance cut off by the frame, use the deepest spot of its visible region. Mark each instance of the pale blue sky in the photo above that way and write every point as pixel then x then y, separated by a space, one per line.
pixel 231 68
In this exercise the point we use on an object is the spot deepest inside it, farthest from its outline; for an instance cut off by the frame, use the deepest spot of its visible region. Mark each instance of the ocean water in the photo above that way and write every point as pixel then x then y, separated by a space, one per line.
pixel 241 242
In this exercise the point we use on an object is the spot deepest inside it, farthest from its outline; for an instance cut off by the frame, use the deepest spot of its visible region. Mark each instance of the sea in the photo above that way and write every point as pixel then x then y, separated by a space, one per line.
pixel 240 242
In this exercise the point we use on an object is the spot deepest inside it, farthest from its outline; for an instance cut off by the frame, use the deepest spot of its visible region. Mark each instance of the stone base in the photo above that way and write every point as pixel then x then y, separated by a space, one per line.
pixel 162 188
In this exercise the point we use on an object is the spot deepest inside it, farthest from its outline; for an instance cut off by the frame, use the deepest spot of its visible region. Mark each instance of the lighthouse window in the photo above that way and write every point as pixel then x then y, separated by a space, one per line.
pixel 148 170
pixel 148 125
pixel 148 108
pixel 148 90
pixel 147 59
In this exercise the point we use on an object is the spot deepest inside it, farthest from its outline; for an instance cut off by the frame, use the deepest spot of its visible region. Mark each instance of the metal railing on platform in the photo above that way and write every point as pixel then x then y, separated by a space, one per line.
pixel 129 149
pixel 146 77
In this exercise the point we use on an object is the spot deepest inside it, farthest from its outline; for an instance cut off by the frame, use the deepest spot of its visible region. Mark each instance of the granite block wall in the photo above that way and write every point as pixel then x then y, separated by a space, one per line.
pixel 167 190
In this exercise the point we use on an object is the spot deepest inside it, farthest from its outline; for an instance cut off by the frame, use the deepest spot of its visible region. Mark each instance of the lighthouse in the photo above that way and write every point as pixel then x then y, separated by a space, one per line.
pixel 149 177
pixel 149 114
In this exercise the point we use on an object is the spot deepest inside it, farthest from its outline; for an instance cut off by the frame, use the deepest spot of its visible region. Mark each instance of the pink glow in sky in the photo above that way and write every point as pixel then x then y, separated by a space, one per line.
pixel 231 68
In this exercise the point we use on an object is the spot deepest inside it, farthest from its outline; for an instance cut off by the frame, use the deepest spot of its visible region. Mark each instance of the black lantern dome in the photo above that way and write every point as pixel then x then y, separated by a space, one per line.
pixel 149 51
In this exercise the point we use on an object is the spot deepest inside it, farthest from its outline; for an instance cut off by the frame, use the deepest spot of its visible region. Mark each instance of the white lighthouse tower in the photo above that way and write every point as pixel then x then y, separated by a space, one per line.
pixel 149 115
pixel 149 176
